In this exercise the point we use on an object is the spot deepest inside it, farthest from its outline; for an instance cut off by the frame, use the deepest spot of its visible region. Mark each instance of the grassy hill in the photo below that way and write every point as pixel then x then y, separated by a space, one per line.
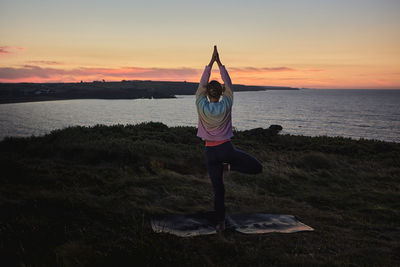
pixel 83 196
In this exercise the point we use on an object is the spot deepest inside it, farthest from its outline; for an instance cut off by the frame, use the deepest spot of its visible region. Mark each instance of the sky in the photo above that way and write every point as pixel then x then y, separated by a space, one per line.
pixel 342 44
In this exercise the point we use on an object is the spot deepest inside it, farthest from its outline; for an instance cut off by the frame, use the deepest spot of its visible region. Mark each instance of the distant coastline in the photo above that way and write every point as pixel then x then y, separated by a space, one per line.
pixel 32 92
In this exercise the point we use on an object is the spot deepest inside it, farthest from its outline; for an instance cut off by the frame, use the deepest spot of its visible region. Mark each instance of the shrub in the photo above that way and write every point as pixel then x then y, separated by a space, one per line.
pixel 314 161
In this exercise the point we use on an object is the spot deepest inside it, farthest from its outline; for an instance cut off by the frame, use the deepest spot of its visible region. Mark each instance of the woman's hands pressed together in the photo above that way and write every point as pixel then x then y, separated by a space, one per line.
pixel 215 57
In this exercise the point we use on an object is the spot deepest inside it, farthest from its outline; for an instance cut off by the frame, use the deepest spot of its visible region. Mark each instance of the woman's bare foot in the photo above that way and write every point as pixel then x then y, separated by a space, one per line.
pixel 220 226
pixel 227 167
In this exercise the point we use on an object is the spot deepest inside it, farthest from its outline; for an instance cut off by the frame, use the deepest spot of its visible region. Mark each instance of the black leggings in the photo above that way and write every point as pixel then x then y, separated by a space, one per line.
pixel 238 160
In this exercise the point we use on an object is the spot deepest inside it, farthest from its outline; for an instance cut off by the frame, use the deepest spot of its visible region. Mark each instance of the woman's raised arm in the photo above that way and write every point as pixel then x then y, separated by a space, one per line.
pixel 225 77
pixel 201 90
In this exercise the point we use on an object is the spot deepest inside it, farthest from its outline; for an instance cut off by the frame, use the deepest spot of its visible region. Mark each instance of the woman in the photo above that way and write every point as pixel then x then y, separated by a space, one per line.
pixel 215 128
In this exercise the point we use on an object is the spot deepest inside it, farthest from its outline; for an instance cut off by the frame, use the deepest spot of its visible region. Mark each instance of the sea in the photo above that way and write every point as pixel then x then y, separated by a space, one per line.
pixel 367 114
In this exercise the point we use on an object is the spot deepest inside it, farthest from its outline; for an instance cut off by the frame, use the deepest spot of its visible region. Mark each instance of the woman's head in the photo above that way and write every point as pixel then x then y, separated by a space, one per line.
pixel 214 89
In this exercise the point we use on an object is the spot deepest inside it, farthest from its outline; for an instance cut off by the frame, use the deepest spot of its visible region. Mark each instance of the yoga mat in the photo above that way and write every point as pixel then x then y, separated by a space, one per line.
pixel 186 225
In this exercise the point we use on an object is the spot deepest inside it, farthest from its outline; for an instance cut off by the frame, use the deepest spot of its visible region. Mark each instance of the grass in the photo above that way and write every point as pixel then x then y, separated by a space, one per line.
pixel 83 196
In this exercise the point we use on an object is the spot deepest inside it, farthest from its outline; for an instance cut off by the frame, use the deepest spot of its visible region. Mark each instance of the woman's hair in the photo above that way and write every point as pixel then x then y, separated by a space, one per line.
pixel 214 89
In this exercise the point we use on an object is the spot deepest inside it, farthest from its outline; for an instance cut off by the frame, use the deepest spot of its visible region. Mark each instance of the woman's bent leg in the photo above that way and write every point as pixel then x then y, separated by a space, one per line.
pixel 243 162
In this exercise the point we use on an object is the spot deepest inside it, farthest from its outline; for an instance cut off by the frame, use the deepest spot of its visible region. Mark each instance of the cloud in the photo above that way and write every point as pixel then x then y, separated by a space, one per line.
pixel 3 50
pixel 51 71
pixel 9 49
pixel 264 69
pixel 44 62
pixel 27 72
pixel 37 70
pixel 313 70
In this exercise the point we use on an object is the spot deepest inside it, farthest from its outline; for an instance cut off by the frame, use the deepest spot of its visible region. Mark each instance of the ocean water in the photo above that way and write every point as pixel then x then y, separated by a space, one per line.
pixel 369 114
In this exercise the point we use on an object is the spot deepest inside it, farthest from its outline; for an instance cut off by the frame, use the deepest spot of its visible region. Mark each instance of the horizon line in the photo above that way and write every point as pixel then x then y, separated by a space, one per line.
pixel 177 81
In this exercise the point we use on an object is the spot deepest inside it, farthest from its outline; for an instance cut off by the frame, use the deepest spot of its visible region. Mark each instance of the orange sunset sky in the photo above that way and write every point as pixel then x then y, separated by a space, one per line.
pixel 313 44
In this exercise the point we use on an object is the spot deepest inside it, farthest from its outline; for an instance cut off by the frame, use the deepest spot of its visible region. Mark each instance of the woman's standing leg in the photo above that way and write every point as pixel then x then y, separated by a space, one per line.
pixel 215 171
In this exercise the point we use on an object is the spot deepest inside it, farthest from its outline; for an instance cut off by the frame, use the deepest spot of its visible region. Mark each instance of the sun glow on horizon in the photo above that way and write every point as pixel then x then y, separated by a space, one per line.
pixel 341 44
